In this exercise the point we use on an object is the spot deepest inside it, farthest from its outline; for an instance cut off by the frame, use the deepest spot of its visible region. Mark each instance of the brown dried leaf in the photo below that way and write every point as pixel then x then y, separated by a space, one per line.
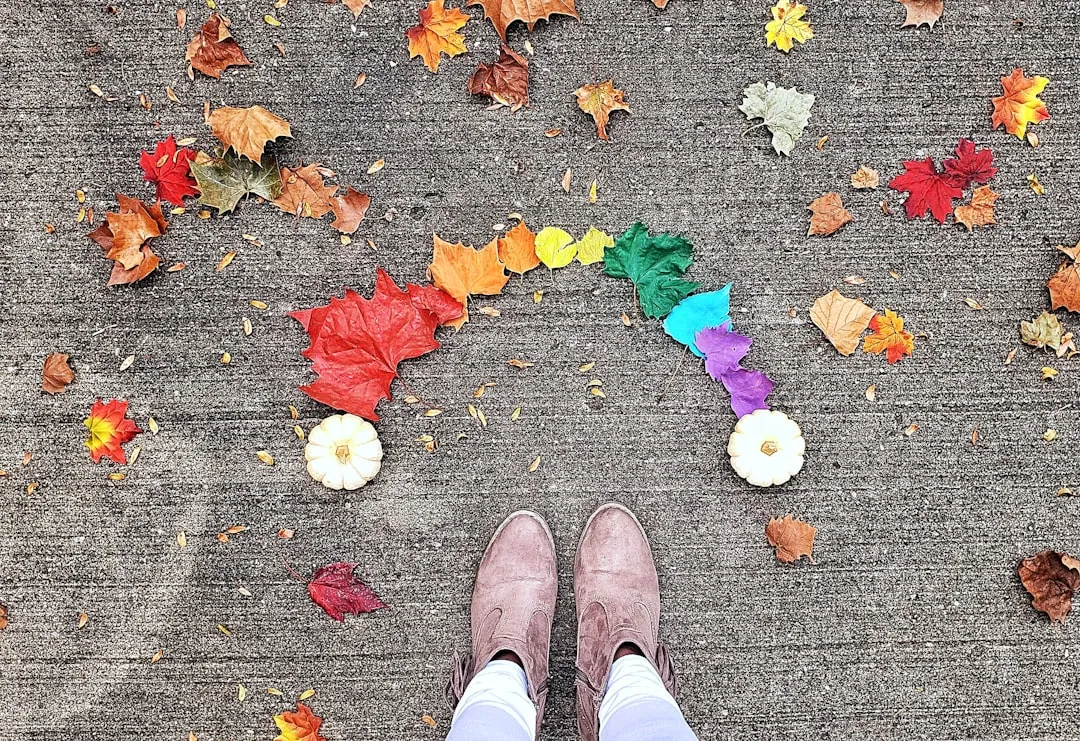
pixel 247 130
pixel 303 192
pixel 357 6
pixel 213 48
pixel 56 374
pixel 1051 578
pixel 792 538
pixel 828 215
pixel 349 210
pixel 1064 285
pixel 922 11
pixel 502 13
pixel 506 81
pixel 864 177
pixel 599 100
pixel 980 211
pixel 842 319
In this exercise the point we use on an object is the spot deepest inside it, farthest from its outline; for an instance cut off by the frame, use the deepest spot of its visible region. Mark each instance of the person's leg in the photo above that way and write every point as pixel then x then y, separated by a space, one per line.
pixel 499 690
pixel 626 680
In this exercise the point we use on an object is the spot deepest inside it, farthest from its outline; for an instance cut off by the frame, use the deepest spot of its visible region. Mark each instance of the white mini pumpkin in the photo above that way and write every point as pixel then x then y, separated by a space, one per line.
pixel 766 448
pixel 343 452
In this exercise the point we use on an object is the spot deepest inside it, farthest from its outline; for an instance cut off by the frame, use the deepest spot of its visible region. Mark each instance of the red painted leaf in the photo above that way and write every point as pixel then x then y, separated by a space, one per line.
pixel 971 166
pixel 357 343
pixel 169 169
pixel 928 189
pixel 109 429
pixel 338 592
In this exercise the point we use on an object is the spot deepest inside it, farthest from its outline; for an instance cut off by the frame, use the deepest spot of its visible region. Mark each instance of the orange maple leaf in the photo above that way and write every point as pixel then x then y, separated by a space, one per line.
pixel 1020 104
pixel 437 34
pixel 599 99
pixel 303 192
pixel 303 725
pixel 125 236
pixel 463 271
pixel 1064 285
pixel 247 130
pixel 889 337
pixel 518 249
pixel 502 13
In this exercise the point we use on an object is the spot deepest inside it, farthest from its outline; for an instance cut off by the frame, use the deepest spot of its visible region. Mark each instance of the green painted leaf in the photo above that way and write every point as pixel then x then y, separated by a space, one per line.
pixel 785 111
pixel 655 265
pixel 225 180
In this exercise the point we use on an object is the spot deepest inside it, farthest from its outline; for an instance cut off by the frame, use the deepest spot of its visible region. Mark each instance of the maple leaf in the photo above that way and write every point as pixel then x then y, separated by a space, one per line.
pixel 970 166
pixel 842 319
pixel 109 429
pixel 1051 578
pixel 827 215
pixel 213 48
pixel 792 538
pixel 303 725
pixel 784 111
pixel 506 81
pixel 224 180
pixel 590 248
pixel 697 312
pixel 599 100
pixel 247 130
pixel 724 351
pixel 357 343
pixel 787 25
pixel 980 211
pixel 922 11
pixel 124 236
pixel 517 249
pixel 1064 285
pixel 555 247
pixel 56 374
pixel 502 13
pixel 1043 331
pixel 889 337
pixel 357 6
pixel 169 169
pixel 927 188
pixel 463 271
pixel 303 192
pixel 864 177
pixel 1020 105
pixel 349 210
pixel 437 34
pixel 338 592
pixel 655 265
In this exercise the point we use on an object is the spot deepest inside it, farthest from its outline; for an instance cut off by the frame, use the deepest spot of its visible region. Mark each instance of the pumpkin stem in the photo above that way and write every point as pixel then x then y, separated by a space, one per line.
pixel 769 447
pixel 343 454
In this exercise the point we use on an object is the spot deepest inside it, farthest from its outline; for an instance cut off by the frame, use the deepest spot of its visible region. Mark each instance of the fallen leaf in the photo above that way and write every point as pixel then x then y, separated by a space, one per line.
pixel 225 180
pixel 792 538
pixel 247 130
pixel 889 337
pixel 980 211
pixel 1064 285
pixel 437 34
pixel 973 304
pixel 109 429
pixel 555 247
pixel 506 81
pixel 697 312
pixel 784 111
pixel 590 248
pixel 1051 578
pixel 1048 373
pixel 502 13
pixel 517 249
pixel 567 179
pixel 1033 181
pixel 463 271
pixel 349 210
pixel 970 167
pixel 864 177
pixel 724 351
pixel 787 26
pixel 338 592
pixel 125 236
pixel 213 48
pixel 1020 105
pixel 3 616
pixel 655 265
pixel 303 192
pixel 56 374
pixel 303 725
pixel 169 169
pixel 842 319
pixel 827 215
pixel 600 100
pixel 927 188
pixel 922 11
pixel 357 6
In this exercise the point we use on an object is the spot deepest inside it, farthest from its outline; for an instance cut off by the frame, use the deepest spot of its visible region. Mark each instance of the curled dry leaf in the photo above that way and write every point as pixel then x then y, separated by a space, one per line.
pixel 922 11
pixel 980 211
pixel 56 374
pixel 506 81
pixel 792 538
pixel 827 215
pixel 842 319
pixel 864 177
pixel 3 616
pixel 247 130
pixel 1064 285
pixel 349 210
pixel 303 192
pixel 213 49
pixel 437 34
pixel 502 13
pixel 599 100
pixel 1051 578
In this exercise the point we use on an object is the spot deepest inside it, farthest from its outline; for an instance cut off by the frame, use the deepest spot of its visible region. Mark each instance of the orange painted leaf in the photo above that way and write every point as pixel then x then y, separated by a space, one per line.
pixel 303 192
pixel 889 337
pixel 1051 578
pixel 213 48
pixel 517 249
pixel 56 374
pixel 505 81
pixel 349 210
pixel 599 100
pixel 1064 285
pixel 463 271
pixel 437 34
pixel 1020 105
pixel 792 538
pixel 109 429
pixel 827 215
pixel 303 725
pixel 980 211
pixel 247 130
pixel 502 13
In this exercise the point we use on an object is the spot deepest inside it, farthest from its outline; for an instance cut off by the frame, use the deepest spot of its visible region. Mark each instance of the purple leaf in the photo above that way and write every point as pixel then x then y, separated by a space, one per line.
pixel 724 350
pixel 748 389
pixel 337 591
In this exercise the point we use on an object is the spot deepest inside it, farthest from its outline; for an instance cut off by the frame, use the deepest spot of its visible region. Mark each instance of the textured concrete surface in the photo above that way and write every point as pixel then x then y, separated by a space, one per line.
pixel 911 624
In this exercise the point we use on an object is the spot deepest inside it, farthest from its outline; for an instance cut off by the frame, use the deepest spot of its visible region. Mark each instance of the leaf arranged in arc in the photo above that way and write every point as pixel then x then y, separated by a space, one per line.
pixel 655 265
pixel 697 312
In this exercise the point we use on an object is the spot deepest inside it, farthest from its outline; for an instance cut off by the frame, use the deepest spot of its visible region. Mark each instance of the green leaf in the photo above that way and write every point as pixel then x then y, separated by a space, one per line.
pixel 554 248
pixel 225 180
pixel 785 111
pixel 655 265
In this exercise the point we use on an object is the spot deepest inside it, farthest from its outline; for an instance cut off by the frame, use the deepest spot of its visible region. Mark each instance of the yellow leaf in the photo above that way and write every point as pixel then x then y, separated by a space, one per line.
pixel 555 247
pixel 1020 105
pixel 590 248
pixel 889 337
pixel 787 25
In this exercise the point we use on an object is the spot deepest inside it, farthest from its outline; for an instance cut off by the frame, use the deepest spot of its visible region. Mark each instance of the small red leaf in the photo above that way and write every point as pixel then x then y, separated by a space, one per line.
pixel 928 189
pixel 338 592
pixel 970 166
pixel 169 169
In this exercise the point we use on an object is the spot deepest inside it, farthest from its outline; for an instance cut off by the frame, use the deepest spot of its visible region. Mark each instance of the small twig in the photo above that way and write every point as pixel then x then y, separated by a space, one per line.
pixel 671 378
pixel 292 572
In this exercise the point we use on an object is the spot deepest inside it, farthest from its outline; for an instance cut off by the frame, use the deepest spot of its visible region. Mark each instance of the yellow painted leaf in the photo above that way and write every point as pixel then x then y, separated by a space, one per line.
pixel 590 248
pixel 787 26
pixel 555 247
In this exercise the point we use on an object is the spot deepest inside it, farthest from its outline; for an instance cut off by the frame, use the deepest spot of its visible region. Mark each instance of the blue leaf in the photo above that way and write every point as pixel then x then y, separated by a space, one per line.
pixel 698 312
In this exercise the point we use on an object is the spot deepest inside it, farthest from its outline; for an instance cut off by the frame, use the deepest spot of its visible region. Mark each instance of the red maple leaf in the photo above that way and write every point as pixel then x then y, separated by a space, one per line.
pixel 338 592
pixel 109 428
pixel 928 189
pixel 357 343
pixel 970 166
pixel 169 169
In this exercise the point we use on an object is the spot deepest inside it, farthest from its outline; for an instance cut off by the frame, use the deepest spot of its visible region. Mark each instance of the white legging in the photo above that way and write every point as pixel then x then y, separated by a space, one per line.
pixel 636 706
